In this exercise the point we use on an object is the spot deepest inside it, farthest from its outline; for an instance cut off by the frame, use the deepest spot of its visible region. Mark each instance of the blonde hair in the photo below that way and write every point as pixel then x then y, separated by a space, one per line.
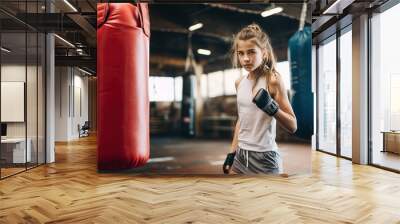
pixel 254 33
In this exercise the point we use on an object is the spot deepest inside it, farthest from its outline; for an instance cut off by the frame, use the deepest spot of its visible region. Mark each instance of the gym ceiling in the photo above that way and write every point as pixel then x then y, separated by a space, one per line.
pixel 169 30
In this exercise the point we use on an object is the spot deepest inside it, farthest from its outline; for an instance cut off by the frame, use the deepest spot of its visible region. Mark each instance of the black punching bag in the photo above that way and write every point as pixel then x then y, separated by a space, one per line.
pixel 188 106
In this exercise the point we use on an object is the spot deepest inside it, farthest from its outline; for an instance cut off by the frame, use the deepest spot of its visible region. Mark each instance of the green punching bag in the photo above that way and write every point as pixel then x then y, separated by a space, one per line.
pixel 299 51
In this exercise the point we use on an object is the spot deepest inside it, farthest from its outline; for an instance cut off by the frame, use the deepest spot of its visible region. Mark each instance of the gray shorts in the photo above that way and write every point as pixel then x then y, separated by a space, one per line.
pixel 251 162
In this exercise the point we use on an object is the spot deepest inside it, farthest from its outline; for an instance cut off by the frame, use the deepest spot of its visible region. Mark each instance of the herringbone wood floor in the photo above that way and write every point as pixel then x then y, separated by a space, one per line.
pixel 71 191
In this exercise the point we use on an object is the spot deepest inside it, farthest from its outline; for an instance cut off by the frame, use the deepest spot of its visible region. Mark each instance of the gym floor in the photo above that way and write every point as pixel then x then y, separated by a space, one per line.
pixel 206 156
pixel 72 191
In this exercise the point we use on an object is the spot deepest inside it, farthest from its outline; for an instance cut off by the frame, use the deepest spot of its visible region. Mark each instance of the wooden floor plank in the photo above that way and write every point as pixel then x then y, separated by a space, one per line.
pixel 72 191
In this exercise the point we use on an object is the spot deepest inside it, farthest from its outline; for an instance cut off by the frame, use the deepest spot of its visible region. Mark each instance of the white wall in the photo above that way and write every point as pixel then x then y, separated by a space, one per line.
pixel 13 72
pixel 80 100
pixel 62 81
pixel 71 93
pixel 33 126
pixel 16 73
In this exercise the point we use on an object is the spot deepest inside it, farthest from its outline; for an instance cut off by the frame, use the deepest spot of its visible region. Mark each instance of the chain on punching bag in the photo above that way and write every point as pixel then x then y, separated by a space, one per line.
pixel 299 51
pixel 123 137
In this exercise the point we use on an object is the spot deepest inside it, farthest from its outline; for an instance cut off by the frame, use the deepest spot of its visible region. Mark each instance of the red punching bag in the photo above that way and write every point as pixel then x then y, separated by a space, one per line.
pixel 123 31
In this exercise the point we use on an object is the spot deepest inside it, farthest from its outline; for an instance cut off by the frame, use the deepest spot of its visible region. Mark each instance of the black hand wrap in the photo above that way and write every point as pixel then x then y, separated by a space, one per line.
pixel 265 102
pixel 228 162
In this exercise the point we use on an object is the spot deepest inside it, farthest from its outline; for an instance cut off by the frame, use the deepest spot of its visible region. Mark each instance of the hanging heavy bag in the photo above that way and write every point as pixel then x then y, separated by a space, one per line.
pixel 299 51
pixel 123 31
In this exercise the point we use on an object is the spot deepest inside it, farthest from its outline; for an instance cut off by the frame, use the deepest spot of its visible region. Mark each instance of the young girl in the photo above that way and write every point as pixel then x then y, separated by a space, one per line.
pixel 262 100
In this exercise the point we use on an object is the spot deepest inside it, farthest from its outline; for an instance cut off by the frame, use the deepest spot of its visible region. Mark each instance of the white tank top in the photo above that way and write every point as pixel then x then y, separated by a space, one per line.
pixel 257 129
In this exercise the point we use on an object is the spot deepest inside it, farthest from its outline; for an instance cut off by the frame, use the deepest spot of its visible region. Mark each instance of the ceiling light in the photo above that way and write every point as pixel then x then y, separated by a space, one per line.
pixel 70 5
pixel 5 50
pixel 65 41
pixel 271 11
pixel 196 26
pixel 84 71
pixel 203 51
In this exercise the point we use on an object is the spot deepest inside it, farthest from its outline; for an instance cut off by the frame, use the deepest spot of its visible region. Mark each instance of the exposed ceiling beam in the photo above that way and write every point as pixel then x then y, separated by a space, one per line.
pixel 86 27
pixel 78 19
pixel 91 5
pixel 186 31
pixel 85 61
pixel 167 60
